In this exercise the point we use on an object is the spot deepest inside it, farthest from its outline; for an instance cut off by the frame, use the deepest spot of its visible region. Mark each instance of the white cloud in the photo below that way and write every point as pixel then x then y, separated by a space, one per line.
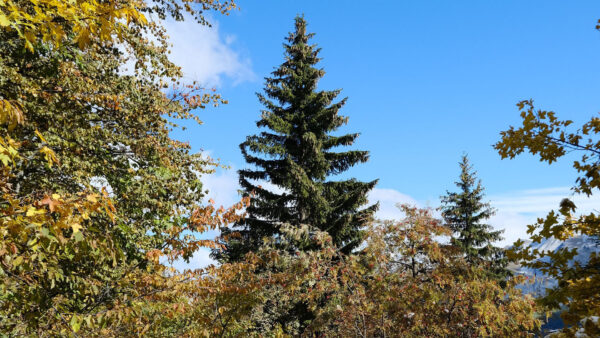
pixel 518 209
pixel 513 224
pixel 205 55
pixel 515 210
pixel 268 186
pixel 222 187
pixel 388 199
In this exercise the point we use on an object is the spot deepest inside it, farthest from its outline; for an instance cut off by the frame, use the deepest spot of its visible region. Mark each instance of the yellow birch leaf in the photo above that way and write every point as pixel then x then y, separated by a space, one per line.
pixel 76 227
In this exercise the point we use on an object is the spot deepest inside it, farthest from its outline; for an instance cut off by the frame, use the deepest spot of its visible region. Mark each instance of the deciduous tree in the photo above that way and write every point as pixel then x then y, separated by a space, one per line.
pixel 409 285
pixel 543 134
pixel 93 189
pixel 404 283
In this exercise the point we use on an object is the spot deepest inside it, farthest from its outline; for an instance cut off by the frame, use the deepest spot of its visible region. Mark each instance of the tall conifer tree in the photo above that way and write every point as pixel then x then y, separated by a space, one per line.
pixel 465 213
pixel 297 156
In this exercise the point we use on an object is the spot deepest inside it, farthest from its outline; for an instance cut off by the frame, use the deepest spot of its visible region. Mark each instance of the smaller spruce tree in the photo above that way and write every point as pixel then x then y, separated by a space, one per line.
pixel 465 214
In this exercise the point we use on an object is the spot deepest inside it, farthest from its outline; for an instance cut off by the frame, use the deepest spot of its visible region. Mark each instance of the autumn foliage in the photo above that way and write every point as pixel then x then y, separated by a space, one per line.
pixel 95 196
pixel 97 201
pixel 543 134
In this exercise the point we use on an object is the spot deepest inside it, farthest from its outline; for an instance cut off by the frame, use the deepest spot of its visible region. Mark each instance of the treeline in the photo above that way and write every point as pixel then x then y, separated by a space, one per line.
pixel 97 201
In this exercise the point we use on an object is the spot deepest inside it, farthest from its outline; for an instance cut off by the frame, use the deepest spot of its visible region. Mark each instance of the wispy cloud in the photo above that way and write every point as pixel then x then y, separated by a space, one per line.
pixel 222 188
pixel 206 55
pixel 519 208
pixel 515 210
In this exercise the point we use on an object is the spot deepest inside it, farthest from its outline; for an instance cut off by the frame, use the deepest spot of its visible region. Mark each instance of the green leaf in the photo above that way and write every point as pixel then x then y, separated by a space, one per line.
pixel 75 323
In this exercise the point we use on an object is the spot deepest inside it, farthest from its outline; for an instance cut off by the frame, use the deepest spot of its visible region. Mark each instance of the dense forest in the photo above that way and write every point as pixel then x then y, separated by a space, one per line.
pixel 98 200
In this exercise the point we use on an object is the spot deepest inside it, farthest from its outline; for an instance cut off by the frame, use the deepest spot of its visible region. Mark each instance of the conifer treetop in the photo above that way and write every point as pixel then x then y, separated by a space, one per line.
pixel 296 152
pixel 465 213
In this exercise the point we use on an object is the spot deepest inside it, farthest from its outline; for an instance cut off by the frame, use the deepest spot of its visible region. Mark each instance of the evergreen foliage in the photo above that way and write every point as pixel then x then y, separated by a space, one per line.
pixel 296 155
pixel 465 213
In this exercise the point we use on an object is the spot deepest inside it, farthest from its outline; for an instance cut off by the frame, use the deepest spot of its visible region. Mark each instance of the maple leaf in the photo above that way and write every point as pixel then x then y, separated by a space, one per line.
pixel 50 202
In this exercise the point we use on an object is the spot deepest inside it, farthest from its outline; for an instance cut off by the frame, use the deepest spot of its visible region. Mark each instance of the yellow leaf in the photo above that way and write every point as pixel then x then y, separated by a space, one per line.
pixel 10 113
pixel 32 211
pixel 18 261
pixel 55 196
pixel 83 39
pixel 40 136
pixel 76 227
pixel 49 155
pixel 142 19
pixel 4 20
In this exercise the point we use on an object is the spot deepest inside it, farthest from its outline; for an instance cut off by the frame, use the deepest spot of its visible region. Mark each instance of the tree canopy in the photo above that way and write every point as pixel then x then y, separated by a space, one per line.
pixel 94 190
pixel 543 134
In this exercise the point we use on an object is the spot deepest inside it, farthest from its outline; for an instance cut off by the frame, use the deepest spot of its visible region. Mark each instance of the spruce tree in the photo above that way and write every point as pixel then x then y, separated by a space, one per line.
pixel 296 154
pixel 465 214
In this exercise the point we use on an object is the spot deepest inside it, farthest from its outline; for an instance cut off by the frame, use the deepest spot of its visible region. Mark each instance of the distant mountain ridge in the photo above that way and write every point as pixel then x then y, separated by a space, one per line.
pixel 585 246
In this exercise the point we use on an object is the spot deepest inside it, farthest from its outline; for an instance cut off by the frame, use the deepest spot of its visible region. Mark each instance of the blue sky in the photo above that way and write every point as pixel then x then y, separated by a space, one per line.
pixel 426 81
